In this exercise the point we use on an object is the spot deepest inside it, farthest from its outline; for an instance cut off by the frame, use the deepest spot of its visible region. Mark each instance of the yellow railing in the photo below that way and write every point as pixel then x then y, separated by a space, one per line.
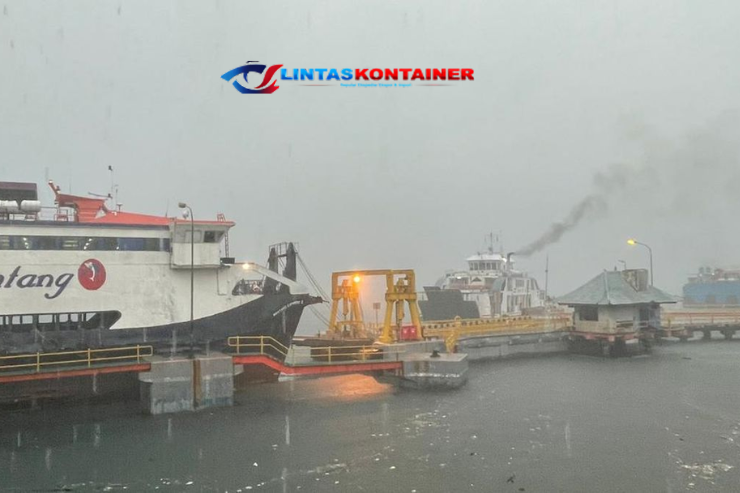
pixel 266 345
pixel 674 319
pixel 477 327
pixel 87 357
pixel 251 343
pixel 453 330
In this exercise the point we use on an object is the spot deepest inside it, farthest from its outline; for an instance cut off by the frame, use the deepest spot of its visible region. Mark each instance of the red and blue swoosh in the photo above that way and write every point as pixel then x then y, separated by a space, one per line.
pixel 263 88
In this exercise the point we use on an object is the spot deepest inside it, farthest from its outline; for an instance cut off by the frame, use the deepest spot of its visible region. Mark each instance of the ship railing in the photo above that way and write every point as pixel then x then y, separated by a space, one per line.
pixel 44 214
pixel 265 345
pixel 271 347
pixel 86 358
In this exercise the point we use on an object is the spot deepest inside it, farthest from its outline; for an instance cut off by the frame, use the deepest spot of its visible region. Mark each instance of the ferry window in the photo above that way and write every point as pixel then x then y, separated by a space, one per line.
pixel 127 244
pixel 68 243
pixel 211 237
pixel 45 243
pixel 104 244
pixel 59 321
pixel 197 238
pixel 151 244
pixel 84 243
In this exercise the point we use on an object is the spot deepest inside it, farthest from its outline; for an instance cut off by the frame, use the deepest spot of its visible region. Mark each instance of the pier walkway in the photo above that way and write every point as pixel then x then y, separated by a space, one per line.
pixel 684 324
pixel 68 364
pixel 296 360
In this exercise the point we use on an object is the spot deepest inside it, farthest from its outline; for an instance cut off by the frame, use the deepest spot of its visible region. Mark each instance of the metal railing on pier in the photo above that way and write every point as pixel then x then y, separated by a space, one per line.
pixel 686 319
pixel 84 358
pixel 452 330
pixel 269 346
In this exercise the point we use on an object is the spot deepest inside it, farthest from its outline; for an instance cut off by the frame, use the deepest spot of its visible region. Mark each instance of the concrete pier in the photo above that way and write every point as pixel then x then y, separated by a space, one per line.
pixel 184 384
pixel 497 347
pixel 213 380
pixel 168 387
pixel 434 370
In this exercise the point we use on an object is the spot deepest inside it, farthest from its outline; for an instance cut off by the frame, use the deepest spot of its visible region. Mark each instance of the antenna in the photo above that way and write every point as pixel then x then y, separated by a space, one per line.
pixel 113 195
pixel 547 273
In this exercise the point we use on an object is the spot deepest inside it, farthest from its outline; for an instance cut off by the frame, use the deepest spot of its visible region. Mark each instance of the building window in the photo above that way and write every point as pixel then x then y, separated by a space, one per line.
pixel 588 313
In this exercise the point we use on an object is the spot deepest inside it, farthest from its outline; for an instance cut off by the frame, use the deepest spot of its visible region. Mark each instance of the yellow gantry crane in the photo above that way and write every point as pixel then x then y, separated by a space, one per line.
pixel 400 289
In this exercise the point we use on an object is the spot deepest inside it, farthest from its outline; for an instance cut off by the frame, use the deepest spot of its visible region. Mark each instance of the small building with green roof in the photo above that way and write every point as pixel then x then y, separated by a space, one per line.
pixel 616 304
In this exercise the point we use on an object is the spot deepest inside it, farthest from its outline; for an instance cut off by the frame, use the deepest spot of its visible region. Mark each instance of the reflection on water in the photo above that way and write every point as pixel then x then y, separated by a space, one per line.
pixel 667 422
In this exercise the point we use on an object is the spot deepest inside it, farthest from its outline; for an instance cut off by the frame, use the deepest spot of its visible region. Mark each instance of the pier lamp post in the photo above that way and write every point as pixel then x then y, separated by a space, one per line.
pixel 183 205
pixel 634 242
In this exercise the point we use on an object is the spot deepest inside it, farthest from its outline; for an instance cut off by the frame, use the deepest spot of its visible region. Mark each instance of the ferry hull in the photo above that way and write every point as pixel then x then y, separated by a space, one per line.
pixel 274 315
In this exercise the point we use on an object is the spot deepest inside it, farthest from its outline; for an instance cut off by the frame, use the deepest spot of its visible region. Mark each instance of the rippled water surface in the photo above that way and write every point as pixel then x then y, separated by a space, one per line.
pixel 665 422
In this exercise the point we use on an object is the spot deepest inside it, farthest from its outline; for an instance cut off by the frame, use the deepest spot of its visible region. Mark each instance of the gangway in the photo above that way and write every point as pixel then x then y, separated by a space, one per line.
pixel 683 323
pixel 268 351
pixel 452 330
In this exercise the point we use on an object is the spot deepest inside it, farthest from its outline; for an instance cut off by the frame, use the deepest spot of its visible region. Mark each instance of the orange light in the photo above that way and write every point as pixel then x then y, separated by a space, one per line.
pixel 356 279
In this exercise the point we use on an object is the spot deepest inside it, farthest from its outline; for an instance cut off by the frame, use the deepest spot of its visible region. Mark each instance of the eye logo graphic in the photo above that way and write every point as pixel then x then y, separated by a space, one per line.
pixel 91 274
pixel 250 67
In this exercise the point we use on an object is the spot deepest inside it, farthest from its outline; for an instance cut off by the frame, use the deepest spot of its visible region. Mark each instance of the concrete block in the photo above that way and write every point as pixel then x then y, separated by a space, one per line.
pixel 495 347
pixel 213 380
pixel 422 371
pixel 168 387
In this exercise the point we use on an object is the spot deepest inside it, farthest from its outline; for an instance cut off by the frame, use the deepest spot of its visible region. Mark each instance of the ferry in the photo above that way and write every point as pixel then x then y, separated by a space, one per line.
pixel 489 288
pixel 83 274
pixel 712 288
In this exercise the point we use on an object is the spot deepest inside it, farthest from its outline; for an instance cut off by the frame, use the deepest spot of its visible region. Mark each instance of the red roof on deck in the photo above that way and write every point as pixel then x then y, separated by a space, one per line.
pixel 118 217
pixel 93 210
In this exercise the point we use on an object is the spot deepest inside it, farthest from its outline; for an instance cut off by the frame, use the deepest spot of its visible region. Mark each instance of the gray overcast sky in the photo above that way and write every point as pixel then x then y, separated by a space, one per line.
pixel 394 178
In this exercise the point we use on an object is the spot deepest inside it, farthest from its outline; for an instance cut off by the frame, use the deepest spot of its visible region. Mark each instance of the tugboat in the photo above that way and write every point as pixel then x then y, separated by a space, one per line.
pixel 85 275
pixel 489 288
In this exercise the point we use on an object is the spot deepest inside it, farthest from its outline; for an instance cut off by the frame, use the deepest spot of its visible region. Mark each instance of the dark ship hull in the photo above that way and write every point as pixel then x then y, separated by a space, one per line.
pixel 272 315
